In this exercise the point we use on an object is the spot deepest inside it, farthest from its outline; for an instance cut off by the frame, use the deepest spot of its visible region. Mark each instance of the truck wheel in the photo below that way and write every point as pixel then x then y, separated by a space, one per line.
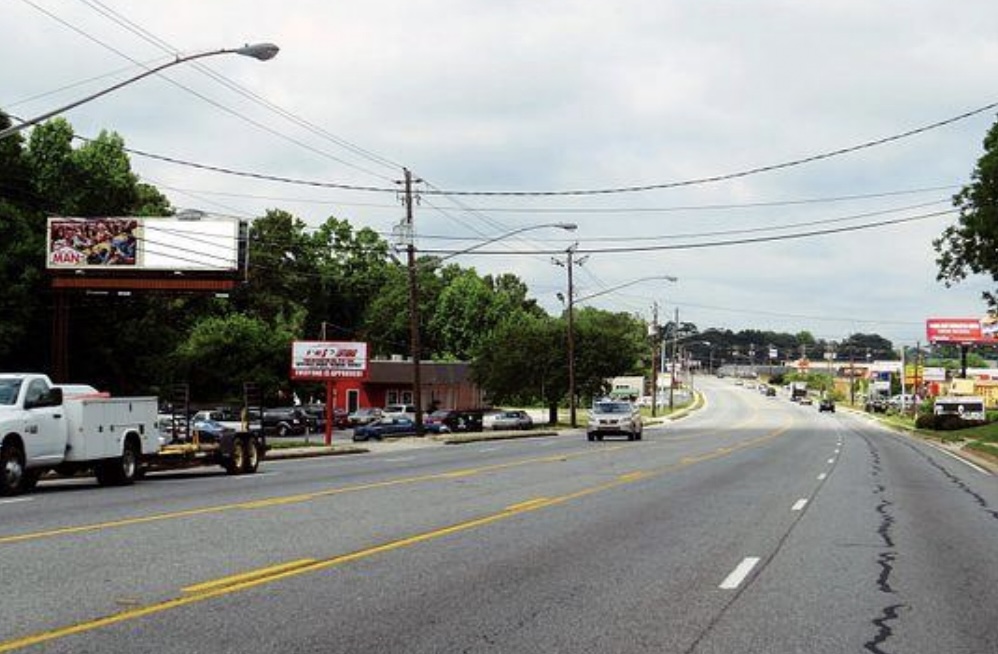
pixel 12 472
pixel 127 468
pixel 251 460
pixel 236 462
pixel 121 471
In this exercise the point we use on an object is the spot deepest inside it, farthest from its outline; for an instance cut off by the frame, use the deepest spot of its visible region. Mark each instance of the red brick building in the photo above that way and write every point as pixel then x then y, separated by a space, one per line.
pixel 444 385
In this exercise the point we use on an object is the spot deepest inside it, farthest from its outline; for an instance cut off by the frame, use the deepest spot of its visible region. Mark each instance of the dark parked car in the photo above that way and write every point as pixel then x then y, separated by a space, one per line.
pixel 456 420
pixel 512 420
pixel 315 414
pixel 285 421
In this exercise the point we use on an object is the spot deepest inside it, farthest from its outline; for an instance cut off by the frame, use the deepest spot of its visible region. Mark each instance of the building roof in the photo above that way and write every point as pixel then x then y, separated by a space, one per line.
pixel 430 372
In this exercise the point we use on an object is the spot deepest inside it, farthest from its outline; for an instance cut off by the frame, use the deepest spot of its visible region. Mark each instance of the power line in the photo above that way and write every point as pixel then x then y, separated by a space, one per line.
pixel 735 175
pixel 693 246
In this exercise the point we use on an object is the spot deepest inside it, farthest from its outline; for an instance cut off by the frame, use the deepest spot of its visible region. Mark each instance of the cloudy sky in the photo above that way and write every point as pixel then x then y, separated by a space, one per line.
pixel 505 102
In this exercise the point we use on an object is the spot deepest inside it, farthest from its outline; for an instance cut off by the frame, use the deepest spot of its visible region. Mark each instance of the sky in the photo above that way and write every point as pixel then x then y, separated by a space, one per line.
pixel 644 123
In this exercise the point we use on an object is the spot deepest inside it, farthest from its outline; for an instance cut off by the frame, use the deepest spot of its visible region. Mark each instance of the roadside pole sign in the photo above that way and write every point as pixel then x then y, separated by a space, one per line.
pixel 328 361
pixel 321 360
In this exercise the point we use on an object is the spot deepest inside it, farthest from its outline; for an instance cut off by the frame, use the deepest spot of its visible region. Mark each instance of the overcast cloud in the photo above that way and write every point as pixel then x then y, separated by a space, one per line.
pixel 538 96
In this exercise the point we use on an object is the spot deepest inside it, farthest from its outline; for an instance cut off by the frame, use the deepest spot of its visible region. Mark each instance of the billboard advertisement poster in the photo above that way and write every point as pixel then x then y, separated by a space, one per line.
pixel 963 331
pixel 320 360
pixel 136 243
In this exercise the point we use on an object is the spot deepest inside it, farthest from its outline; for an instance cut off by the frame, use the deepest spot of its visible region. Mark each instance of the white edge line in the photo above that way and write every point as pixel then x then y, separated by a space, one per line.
pixel 822 476
pixel 738 575
pixel 799 505
pixel 960 459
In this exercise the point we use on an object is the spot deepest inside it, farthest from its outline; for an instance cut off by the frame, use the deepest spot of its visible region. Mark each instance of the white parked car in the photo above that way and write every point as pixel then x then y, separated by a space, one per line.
pixel 399 411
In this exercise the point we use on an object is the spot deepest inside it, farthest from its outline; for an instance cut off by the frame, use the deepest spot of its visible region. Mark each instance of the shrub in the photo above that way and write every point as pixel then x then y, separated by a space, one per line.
pixel 944 422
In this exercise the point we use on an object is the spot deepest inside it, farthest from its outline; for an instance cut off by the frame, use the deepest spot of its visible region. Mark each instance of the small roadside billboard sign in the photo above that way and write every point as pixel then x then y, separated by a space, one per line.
pixel 961 331
pixel 328 360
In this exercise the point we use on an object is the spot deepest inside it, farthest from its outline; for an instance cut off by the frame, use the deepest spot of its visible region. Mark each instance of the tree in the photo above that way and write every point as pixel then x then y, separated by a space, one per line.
pixel 221 353
pixel 351 268
pixel 22 242
pixel 606 345
pixel 524 361
pixel 971 246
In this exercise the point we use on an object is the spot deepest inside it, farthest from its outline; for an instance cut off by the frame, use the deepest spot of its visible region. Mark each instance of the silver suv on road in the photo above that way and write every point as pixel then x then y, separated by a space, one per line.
pixel 614 417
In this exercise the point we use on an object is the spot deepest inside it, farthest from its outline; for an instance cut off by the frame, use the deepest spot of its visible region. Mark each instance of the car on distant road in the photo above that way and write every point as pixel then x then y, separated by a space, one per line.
pixel 614 417
pixel 826 404
pixel 512 420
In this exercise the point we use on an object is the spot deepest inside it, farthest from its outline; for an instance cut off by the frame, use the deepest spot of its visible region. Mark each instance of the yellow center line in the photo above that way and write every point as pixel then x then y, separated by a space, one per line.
pixel 275 501
pixel 238 583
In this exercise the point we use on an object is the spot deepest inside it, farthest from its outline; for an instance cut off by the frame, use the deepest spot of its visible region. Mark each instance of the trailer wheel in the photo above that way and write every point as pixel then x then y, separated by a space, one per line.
pixel 236 463
pixel 12 474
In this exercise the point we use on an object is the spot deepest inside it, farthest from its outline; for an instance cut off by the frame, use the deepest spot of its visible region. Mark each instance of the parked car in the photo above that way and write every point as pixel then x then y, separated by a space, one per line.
pixel 441 420
pixel 285 421
pixel 455 420
pixel 223 416
pixel 364 416
pixel 614 417
pixel 826 404
pixel 385 426
pixel 400 411
pixel 207 430
pixel 512 420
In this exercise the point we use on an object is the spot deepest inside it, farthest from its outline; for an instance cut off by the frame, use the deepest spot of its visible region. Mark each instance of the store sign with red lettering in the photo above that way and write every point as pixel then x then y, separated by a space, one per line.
pixel 317 360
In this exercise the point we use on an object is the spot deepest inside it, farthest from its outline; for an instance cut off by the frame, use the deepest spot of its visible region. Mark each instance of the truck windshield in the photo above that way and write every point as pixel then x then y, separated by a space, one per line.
pixel 9 388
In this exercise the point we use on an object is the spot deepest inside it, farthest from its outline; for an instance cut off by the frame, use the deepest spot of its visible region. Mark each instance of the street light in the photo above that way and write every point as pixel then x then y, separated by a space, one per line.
pixel 260 51
pixel 571 326
pixel 568 227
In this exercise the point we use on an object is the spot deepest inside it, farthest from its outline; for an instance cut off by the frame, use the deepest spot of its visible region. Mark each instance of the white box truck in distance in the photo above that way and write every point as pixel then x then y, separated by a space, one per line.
pixel 40 431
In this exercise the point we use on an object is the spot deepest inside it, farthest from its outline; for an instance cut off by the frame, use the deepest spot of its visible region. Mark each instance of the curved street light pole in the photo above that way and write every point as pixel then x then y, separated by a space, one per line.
pixel 568 227
pixel 571 326
pixel 260 51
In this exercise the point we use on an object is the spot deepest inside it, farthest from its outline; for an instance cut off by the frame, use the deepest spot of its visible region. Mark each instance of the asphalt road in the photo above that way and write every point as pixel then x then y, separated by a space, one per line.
pixel 754 525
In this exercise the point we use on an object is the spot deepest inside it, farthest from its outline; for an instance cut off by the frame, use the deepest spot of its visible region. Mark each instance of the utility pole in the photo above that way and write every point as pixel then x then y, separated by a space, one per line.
pixel 672 373
pixel 406 237
pixel 570 262
pixel 654 360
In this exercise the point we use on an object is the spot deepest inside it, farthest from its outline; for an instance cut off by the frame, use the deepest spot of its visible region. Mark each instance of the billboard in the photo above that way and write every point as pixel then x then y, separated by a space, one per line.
pixel 318 360
pixel 963 331
pixel 209 244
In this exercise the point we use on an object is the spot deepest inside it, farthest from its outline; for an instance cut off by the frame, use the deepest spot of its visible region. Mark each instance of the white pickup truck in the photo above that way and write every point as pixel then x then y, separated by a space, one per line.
pixel 41 430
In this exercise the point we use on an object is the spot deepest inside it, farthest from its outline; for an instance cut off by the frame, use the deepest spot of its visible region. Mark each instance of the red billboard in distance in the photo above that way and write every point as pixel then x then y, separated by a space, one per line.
pixel 963 331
